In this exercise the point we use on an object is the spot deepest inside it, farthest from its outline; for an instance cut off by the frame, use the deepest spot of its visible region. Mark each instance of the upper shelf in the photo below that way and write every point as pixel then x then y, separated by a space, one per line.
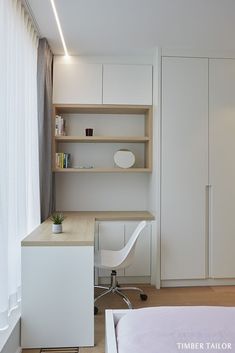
pixel 130 139
pixel 101 109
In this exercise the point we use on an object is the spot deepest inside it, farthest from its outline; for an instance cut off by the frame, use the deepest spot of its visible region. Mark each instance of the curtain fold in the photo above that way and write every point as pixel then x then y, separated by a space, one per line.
pixel 44 86
pixel 19 172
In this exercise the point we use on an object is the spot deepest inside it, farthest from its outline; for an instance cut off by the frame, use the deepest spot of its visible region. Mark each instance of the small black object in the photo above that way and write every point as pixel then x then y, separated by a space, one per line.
pixel 143 297
pixel 89 132
pixel 96 310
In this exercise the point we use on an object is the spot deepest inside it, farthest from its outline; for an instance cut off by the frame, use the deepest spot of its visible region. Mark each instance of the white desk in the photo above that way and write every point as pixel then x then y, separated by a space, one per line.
pixel 57 285
pixel 58 279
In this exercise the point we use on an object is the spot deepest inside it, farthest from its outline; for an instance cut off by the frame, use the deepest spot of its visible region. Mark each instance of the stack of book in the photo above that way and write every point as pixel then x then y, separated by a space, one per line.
pixel 59 126
pixel 63 160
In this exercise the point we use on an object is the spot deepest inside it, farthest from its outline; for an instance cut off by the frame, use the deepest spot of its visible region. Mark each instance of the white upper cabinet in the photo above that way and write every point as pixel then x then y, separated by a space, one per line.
pixel 127 84
pixel 222 166
pixel 75 82
pixel 79 82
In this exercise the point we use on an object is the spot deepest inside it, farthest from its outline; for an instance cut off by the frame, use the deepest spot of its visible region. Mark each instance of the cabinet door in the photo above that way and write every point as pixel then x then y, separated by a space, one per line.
pixel 142 259
pixel 184 167
pixel 111 237
pixel 127 84
pixel 222 167
pixel 75 82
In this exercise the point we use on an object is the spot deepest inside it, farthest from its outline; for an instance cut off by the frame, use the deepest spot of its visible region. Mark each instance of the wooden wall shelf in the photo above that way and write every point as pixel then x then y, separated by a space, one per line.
pixel 99 110
pixel 102 170
pixel 88 139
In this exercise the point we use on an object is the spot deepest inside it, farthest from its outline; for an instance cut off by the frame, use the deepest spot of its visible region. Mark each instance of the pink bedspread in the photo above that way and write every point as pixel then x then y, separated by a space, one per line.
pixel 177 330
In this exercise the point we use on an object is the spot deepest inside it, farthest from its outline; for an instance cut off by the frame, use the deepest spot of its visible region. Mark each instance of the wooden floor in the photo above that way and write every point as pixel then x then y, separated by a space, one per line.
pixel 223 295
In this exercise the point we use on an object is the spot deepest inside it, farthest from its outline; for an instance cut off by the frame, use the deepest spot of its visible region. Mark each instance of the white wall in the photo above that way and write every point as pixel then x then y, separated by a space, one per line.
pixel 102 191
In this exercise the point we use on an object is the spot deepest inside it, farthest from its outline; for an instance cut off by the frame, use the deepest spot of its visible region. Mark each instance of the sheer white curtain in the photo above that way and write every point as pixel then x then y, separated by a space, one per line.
pixel 19 170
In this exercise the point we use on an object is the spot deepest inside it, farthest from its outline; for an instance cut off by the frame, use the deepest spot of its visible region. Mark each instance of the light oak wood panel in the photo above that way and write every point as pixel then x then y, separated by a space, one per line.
pixel 149 133
pixel 76 232
pixel 100 109
pixel 78 228
pixel 102 139
pixel 102 170
pixel 53 141
pixel 105 109
pixel 116 215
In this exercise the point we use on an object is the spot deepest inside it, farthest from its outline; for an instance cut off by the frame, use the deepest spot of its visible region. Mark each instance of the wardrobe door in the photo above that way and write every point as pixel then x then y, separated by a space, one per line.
pixel 222 166
pixel 184 168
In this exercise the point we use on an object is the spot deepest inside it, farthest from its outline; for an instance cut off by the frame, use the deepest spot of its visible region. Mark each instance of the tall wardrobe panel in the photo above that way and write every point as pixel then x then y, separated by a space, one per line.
pixel 184 168
pixel 222 167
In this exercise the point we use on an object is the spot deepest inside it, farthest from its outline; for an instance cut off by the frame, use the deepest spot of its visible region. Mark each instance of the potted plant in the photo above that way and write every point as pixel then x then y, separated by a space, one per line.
pixel 57 219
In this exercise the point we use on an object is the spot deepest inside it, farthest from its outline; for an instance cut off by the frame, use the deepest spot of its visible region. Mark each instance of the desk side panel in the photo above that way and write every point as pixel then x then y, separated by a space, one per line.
pixel 57 296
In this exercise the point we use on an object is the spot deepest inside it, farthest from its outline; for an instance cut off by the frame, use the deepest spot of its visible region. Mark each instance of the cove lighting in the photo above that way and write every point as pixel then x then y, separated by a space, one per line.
pixel 59 27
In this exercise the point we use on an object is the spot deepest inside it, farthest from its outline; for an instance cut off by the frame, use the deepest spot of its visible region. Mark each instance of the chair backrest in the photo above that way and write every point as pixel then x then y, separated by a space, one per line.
pixel 127 253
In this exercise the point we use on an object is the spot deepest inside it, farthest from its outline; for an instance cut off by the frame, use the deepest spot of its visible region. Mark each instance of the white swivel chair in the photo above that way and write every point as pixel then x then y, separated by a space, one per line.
pixel 114 260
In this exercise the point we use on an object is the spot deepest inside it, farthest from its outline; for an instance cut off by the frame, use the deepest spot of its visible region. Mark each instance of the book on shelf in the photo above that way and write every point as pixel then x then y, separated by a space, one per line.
pixel 59 126
pixel 63 160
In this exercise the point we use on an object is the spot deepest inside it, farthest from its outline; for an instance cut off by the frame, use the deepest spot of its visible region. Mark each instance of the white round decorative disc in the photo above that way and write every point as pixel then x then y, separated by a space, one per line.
pixel 124 158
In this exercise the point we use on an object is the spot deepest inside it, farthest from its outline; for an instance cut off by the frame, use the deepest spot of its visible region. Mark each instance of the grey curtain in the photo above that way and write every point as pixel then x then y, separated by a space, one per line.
pixel 44 87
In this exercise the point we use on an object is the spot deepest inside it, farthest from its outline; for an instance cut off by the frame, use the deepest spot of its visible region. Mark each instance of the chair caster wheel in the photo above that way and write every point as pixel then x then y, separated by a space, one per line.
pixel 143 297
pixel 96 310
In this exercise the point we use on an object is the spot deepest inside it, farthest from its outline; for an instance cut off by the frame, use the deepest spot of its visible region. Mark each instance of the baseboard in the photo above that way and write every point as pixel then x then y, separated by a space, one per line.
pixel 198 282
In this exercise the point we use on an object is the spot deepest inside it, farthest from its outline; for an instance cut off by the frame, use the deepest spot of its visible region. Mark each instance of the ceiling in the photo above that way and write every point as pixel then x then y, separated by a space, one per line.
pixel 129 27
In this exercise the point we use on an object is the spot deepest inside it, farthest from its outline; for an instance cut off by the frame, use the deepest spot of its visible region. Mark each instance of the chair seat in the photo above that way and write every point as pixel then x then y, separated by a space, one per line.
pixel 108 259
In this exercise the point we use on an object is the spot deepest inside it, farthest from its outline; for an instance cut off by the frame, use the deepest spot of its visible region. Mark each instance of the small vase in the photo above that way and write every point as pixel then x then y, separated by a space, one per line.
pixel 57 228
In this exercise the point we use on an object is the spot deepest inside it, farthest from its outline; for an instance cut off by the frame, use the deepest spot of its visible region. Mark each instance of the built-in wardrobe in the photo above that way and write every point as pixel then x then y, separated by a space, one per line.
pixel 197 169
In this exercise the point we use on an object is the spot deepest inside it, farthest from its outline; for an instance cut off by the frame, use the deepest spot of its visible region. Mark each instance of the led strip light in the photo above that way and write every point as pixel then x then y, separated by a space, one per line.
pixel 59 27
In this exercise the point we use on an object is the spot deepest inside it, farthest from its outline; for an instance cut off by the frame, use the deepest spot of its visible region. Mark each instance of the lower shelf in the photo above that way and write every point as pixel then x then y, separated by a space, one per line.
pixel 102 170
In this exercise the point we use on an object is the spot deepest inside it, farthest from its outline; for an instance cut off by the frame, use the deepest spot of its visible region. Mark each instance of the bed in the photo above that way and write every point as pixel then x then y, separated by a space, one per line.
pixel 170 330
